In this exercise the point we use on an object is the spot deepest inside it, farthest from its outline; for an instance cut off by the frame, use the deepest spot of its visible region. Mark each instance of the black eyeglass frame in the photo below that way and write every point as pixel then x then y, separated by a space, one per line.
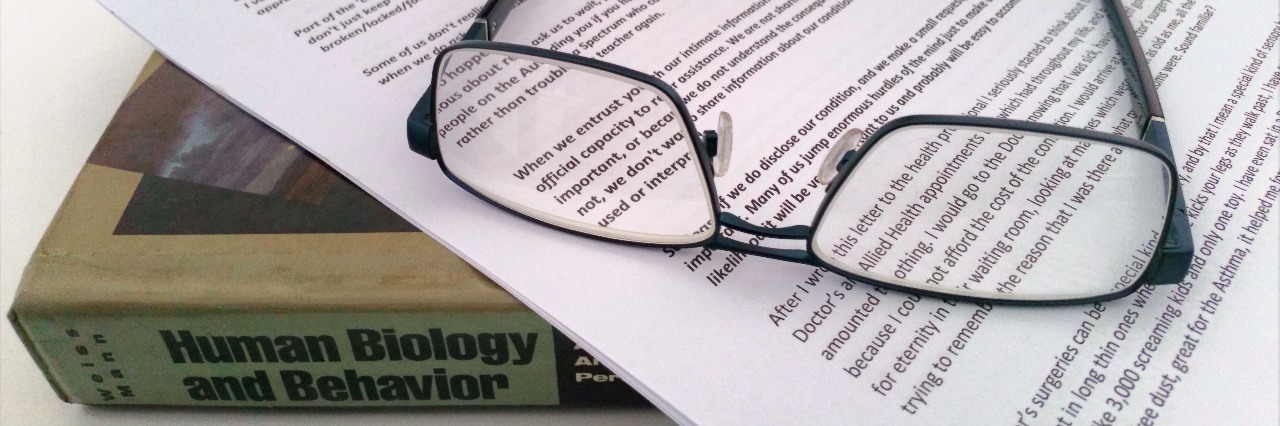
pixel 1168 265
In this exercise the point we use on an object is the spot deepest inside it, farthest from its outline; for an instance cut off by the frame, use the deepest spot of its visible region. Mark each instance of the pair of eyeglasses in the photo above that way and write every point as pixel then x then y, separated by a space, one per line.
pixel 959 207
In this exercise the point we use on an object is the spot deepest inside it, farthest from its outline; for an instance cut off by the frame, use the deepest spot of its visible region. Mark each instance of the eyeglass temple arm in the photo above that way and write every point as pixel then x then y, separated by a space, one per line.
pixel 1171 262
pixel 1135 60
pixel 490 20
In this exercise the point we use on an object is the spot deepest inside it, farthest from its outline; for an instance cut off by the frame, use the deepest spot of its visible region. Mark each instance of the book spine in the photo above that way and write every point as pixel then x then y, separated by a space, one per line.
pixel 317 359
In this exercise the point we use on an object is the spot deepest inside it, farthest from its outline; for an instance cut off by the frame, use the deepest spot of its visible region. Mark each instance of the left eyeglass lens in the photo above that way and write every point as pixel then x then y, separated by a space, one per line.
pixel 992 213
pixel 570 146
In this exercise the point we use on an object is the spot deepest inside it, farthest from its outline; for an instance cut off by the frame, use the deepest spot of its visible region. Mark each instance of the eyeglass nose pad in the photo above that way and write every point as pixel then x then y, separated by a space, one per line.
pixel 831 165
pixel 725 149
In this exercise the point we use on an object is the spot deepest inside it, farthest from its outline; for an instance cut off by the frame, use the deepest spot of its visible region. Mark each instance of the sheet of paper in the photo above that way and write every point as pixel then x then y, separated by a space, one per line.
pixel 715 337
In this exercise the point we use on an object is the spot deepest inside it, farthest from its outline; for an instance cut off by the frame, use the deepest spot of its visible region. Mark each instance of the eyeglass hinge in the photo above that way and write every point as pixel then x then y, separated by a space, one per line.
pixel 421 130
pixel 480 30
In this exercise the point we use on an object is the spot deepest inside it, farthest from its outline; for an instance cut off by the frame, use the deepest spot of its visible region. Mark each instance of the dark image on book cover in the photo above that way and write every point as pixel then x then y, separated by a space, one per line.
pixel 211 168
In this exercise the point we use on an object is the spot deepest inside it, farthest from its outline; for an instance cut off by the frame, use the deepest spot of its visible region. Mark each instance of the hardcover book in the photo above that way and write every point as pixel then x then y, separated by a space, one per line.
pixel 201 258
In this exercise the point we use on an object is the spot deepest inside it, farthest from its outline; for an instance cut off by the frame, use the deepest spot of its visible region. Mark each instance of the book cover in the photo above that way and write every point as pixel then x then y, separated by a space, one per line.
pixel 201 258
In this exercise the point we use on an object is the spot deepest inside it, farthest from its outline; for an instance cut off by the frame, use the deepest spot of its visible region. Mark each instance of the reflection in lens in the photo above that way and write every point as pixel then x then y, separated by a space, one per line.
pixel 573 147
pixel 998 214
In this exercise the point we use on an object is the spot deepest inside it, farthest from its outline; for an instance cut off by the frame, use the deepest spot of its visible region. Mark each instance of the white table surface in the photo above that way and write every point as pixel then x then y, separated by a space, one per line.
pixel 64 68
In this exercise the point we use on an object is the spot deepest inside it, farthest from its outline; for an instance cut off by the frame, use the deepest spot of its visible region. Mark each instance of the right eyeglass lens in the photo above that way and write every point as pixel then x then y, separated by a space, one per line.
pixel 999 214
pixel 573 147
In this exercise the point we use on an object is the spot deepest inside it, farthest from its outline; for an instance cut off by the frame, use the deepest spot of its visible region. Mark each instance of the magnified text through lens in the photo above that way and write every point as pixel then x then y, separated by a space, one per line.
pixel 571 146
pixel 996 213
